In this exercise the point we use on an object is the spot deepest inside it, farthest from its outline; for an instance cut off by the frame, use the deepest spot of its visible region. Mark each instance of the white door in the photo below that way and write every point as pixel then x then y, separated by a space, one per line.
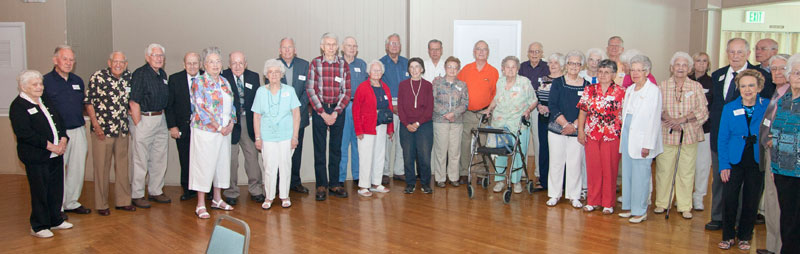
pixel 12 61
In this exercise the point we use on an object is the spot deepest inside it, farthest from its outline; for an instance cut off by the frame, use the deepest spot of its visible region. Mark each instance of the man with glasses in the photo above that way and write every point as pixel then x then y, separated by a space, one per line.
pixel 396 70
pixel 765 49
pixel 434 66
pixel 535 69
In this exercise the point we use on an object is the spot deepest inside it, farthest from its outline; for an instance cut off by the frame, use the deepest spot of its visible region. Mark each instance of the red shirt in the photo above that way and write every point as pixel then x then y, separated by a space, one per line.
pixel 603 111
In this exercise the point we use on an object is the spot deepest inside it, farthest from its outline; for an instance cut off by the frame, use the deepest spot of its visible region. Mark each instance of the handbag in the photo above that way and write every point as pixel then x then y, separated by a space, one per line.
pixel 500 141
pixel 385 116
pixel 555 127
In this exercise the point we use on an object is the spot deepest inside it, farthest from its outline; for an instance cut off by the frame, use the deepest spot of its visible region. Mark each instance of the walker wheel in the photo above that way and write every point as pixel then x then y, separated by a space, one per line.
pixel 470 191
pixel 506 196
pixel 485 182
pixel 531 187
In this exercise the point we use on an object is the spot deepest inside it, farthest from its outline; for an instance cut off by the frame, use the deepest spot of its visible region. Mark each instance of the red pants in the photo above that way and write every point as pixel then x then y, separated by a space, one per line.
pixel 602 163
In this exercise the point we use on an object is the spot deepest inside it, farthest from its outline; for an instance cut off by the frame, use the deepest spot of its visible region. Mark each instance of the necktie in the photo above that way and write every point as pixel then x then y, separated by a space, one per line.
pixel 241 92
pixel 731 93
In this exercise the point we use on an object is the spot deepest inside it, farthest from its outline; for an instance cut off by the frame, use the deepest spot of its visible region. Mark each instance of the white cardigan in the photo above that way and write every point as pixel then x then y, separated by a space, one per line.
pixel 645 129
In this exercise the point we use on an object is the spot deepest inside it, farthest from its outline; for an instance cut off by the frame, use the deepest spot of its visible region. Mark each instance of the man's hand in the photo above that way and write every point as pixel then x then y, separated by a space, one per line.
pixel 99 132
pixel 174 133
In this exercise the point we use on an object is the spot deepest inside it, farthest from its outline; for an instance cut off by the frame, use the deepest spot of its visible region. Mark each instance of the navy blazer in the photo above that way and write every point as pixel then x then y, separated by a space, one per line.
pixel 254 82
pixel 179 104
pixel 299 68
pixel 33 130
pixel 718 100
pixel 733 129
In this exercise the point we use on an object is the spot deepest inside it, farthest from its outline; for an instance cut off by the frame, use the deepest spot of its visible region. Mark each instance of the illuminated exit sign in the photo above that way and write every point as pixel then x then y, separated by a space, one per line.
pixel 754 17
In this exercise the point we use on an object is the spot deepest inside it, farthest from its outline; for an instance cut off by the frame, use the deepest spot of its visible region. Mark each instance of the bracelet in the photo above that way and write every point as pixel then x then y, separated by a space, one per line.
pixel 258 138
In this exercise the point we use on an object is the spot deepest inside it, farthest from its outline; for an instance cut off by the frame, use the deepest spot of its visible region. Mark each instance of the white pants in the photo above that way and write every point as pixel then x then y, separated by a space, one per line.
pixel 210 160
pixel 371 154
pixel 394 152
pixel 150 156
pixel 702 171
pixel 564 150
pixel 74 167
pixel 277 157
pixel 447 148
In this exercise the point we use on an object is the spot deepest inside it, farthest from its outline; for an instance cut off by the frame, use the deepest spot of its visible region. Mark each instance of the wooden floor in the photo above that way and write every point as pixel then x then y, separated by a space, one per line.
pixel 443 222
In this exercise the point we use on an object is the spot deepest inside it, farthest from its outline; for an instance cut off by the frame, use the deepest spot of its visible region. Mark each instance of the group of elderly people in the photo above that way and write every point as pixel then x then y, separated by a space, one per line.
pixel 598 113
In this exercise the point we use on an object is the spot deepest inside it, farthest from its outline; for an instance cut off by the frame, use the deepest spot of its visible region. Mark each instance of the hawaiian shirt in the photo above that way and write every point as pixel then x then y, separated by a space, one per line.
pixel 108 95
pixel 603 111
pixel 207 98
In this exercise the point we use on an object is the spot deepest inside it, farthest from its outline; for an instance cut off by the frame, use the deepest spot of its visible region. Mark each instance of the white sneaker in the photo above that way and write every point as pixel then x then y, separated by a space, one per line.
pixel 44 233
pixel 552 202
pixel 64 225
pixel 364 193
pixel 608 210
pixel 686 215
pixel 638 220
pixel 624 215
pixel 619 199
pixel 379 189
pixel 518 188
pixel 499 186
pixel 576 203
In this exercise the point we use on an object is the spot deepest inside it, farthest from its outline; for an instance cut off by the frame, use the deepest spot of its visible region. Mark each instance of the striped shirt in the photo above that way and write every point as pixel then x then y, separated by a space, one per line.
pixel 328 83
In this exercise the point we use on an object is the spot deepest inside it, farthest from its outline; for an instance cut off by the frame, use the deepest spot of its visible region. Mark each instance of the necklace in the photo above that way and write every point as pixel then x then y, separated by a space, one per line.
pixel 416 94
pixel 273 106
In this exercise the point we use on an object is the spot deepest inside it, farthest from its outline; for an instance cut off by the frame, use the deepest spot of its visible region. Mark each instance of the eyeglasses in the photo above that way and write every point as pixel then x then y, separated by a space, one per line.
pixel 454 67
pixel 394 43
pixel 157 55
pixel 638 70
pixel 535 51
pixel 795 73
pixel 573 63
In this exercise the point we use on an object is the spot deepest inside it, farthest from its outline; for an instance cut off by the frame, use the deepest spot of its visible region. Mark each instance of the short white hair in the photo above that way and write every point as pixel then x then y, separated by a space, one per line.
pixel 209 51
pixel 558 57
pixel 24 78
pixel 149 50
pixel 684 55
pixel 376 61
pixel 746 44
pixel 61 47
pixel 392 35
pixel 329 35
pixel 794 60
pixel 596 51
pixel 575 53
pixel 644 60
pixel 784 57
pixel 274 63
pixel 111 56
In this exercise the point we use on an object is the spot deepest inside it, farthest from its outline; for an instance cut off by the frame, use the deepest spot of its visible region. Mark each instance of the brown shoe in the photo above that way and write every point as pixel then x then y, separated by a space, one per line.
pixel 160 198
pixel 128 208
pixel 385 180
pixel 140 203
pixel 104 212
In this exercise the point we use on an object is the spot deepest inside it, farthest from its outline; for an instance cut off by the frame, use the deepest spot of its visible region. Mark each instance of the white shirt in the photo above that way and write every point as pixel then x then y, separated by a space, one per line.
pixel 431 70
pixel 728 78
pixel 46 115
pixel 189 80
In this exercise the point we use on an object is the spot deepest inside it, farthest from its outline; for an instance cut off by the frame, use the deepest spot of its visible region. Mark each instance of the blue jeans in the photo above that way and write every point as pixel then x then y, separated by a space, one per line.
pixel 417 148
pixel 349 140
pixel 502 161
pixel 635 177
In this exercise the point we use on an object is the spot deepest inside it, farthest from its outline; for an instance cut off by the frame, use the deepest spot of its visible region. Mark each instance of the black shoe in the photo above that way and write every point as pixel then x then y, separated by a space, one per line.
pixel 79 210
pixel 764 251
pixel 409 189
pixel 714 225
pixel 399 178
pixel 258 198
pixel 321 194
pixel 339 192
pixel 760 220
pixel 230 201
pixel 188 195
pixel 299 189
pixel 427 189
pixel 463 180
pixel 385 180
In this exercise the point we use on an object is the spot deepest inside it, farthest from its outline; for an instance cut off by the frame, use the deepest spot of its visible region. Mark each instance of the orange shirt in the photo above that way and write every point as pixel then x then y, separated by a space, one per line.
pixel 481 85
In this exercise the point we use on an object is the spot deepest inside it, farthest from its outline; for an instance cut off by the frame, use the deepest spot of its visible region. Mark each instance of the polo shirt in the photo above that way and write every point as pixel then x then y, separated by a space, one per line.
pixel 481 85
pixel 534 74
pixel 67 96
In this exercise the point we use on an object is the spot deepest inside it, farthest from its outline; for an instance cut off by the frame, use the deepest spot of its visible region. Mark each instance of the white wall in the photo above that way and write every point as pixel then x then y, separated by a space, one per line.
pixel 784 14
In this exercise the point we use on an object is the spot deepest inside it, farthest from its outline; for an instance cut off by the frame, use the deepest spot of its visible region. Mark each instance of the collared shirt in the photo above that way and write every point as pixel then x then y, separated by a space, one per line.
pixel 432 70
pixel 190 81
pixel 328 83
pixel 358 74
pixel 603 111
pixel 276 112
pixel 46 115
pixel 108 95
pixel 394 73
pixel 67 97
pixel 449 97
pixel 690 100
pixel 585 75
pixel 481 85
pixel 729 77
pixel 149 88
pixel 511 103
pixel 534 74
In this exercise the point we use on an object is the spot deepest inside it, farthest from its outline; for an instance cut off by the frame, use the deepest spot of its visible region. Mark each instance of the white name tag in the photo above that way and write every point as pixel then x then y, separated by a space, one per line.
pixel 515 89
pixel 76 87
pixel 248 85
pixel 128 89
pixel 721 78
pixel 385 97
pixel 357 69
pixel 767 122
pixel 705 90
pixel 32 111
pixel 689 94
pixel 580 93
pixel 301 77
pixel 406 74
pixel 458 88
pixel 165 81
pixel 285 94
pixel 610 98
pixel 337 79
pixel 738 112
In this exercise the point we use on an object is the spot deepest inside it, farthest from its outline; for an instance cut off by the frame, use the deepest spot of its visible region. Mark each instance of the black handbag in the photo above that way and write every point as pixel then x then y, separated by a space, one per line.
pixel 385 116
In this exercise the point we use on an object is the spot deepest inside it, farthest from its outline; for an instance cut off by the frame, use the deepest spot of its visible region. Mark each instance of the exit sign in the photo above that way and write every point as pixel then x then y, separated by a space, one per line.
pixel 754 17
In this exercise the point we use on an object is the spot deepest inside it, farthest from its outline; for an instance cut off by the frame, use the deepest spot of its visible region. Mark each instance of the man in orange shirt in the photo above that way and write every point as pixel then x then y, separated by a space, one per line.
pixel 481 79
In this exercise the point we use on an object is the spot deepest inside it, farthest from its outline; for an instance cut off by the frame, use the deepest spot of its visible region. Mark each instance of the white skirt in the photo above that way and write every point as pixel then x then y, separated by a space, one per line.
pixel 209 160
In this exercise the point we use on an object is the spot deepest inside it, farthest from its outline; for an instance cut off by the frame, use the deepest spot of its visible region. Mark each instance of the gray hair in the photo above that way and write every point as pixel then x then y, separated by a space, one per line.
pixel 390 36
pixel 597 51
pixel 644 60
pixel 772 43
pixel 535 43
pixel 558 57
pixel 622 42
pixel 149 50
pixel 607 63
pixel 746 44
pixel 376 61
pixel 628 54
pixel 510 58
pixel 111 56
pixel 575 53
pixel 328 35
pixel 25 77
pixel 274 63
pixel 684 55
pixel 434 41
pixel 208 51
pixel 784 57
pixel 793 60
pixel 61 47
pixel 476 44
pixel 286 38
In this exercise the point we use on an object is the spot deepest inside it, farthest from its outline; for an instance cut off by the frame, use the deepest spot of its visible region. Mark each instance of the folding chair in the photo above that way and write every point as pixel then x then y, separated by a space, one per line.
pixel 225 240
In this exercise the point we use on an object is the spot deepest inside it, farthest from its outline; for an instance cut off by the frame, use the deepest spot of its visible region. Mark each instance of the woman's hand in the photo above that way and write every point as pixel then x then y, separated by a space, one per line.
pixel 259 144
pixel 581 137
pixel 725 175
pixel 361 136
pixel 227 129
pixel 769 142
pixel 295 142
pixel 543 109
pixel 450 116
pixel 412 127
pixel 52 147
pixel 645 152
pixel 568 129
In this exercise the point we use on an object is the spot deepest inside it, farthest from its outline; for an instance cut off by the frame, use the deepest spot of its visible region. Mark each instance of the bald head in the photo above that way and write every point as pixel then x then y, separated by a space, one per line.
pixel 766 48
pixel 237 63
pixel 191 62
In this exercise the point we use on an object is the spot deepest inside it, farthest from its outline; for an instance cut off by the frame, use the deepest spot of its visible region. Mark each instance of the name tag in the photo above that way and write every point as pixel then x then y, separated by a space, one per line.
pixel 689 94
pixel 610 98
pixel 540 80
pixel 580 93
pixel 385 97
pixel 515 89
pixel 458 88
pixel 248 85
pixel 76 87
pixel 705 90
pixel 165 81
pixel 721 78
pixel 302 77
pixel 128 89
pixel 337 79
pixel 738 112
pixel 406 74
pixel 32 111
pixel 285 94
pixel 767 122
pixel 357 69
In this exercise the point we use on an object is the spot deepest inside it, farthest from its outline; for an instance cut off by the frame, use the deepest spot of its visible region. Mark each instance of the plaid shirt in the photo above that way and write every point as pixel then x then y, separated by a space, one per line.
pixel 689 100
pixel 328 83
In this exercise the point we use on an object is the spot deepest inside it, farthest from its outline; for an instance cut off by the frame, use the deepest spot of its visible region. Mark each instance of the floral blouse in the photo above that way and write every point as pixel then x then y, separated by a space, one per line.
pixel 603 111
pixel 511 103
pixel 207 101
pixel 108 95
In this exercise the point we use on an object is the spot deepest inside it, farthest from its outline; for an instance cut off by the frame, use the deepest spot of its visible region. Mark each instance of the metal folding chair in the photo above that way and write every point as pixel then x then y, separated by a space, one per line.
pixel 225 240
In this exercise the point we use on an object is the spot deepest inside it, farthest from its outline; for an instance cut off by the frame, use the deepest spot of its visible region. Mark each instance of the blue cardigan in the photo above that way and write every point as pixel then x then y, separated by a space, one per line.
pixel 733 126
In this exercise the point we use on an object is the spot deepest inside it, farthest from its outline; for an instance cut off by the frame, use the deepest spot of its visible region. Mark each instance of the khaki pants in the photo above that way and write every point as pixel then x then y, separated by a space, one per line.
pixel 74 167
pixel 255 181
pixel 684 178
pixel 102 152
pixel 772 211
pixel 150 158
pixel 447 151
pixel 471 120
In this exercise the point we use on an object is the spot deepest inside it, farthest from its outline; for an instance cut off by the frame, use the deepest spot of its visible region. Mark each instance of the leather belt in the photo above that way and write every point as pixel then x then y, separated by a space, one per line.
pixel 155 113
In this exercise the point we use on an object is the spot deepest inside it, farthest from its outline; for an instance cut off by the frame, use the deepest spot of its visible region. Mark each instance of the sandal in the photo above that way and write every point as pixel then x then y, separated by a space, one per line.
pixel 744 245
pixel 285 203
pixel 221 205
pixel 725 245
pixel 588 208
pixel 202 215
pixel 608 210
pixel 266 205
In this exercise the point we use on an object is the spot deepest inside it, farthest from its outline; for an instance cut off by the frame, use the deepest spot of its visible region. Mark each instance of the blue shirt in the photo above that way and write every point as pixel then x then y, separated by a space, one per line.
pixel 67 96
pixel 534 74
pixel 358 74
pixel 785 132
pixel 276 112
pixel 394 73
pixel 564 99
